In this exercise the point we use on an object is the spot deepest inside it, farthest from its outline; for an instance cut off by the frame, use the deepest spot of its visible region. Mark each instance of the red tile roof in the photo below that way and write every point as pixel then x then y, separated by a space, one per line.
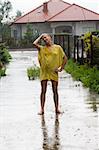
pixel 37 15
pixel 58 10
pixel 75 13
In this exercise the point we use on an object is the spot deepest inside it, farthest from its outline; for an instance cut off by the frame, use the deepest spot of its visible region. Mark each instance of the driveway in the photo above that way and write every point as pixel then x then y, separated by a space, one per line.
pixel 22 129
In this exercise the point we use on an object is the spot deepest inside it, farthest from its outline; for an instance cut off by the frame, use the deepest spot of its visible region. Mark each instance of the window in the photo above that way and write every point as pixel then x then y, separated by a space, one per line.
pixel 88 29
pixel 15 34
pixel 63 29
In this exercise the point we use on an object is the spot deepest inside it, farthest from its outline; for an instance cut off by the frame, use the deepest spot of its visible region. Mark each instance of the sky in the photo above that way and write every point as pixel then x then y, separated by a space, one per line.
pixel 27 5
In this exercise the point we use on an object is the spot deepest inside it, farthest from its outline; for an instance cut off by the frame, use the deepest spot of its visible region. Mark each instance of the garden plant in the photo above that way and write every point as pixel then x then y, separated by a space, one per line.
pixel 5 58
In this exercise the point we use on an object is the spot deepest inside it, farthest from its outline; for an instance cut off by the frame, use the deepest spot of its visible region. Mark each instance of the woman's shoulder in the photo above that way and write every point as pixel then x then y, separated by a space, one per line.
pixel 56 46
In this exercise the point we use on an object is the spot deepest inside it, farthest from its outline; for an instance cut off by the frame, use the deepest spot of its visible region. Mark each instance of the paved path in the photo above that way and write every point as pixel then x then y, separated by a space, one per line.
pixel 22 129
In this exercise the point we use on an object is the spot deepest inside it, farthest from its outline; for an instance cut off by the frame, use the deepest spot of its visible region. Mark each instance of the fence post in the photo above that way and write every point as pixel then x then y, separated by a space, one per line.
pixel 53 38
pixel 91 47
pixel 63 43
pixel 82 51
pixel 74 48
pixel 77 50
pixel 68 46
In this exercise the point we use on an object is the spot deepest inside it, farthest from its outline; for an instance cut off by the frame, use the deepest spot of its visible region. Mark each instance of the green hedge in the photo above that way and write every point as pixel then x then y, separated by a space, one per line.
pixel 88 76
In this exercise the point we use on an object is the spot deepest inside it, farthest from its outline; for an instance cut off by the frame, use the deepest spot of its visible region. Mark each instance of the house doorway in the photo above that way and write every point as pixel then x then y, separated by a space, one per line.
pixel 63 29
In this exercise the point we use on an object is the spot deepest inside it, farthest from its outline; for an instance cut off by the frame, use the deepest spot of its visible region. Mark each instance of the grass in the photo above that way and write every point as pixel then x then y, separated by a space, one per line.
pixel 87 75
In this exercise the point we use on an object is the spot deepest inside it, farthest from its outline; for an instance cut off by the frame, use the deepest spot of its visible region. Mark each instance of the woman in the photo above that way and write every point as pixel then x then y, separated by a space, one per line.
pixel 52 60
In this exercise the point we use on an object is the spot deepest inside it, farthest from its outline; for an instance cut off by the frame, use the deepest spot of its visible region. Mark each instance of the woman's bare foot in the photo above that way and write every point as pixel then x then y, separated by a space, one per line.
pixel 58 112
pixel 41 113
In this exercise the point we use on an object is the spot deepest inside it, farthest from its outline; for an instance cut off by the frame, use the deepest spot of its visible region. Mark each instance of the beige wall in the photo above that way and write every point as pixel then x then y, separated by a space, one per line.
pixel 83 27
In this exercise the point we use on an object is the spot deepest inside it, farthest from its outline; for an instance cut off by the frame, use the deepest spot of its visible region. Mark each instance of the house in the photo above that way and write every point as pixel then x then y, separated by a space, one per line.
pixel 57 16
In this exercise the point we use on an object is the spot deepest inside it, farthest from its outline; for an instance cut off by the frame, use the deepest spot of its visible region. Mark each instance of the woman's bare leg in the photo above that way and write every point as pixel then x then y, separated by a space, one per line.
pixel 55 95
pixel 42 96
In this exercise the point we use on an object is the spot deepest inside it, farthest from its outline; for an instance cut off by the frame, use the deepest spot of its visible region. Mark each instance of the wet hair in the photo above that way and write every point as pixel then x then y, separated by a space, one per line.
pixel 48 34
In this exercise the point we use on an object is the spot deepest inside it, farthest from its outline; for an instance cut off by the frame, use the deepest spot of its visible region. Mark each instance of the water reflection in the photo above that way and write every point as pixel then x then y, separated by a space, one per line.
pixel 50 143
pixel 93 103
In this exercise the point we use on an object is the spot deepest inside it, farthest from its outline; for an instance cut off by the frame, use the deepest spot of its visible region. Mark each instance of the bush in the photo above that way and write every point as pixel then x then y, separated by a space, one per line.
pixel 95 46
pixel 33 72
pixel 4 54
pixel 2 72
pixel 88 76
pixel 4 59
pixel 11 42
pixel 87 38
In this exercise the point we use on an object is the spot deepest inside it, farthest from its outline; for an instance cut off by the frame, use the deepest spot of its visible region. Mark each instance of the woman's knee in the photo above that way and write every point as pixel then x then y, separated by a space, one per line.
pixel 43 86
pixel 55 91
pixel 43 91
pixel 55 87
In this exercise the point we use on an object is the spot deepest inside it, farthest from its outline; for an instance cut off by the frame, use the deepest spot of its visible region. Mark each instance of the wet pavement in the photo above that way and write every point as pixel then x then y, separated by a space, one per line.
pixel 22 129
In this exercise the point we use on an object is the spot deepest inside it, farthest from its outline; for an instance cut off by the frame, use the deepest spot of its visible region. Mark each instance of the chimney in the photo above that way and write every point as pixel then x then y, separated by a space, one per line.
pixel 45 7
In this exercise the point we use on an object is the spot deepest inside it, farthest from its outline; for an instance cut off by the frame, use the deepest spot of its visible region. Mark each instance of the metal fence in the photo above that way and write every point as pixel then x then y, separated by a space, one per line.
pixel 66 41
pixel 74 47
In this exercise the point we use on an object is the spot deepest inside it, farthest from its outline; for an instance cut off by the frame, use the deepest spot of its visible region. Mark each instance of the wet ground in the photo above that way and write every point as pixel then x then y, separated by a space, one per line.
pixel 22 129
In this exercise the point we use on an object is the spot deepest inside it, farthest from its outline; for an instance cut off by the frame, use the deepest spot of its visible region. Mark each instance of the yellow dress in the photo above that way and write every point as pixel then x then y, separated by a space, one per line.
pixel 50 59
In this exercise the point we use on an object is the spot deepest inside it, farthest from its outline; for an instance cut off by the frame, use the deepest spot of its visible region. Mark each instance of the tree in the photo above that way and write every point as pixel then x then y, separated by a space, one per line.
pixel 29 36
pixel 6 33
pixel 18 13
pixel 31 33
pixel 5 9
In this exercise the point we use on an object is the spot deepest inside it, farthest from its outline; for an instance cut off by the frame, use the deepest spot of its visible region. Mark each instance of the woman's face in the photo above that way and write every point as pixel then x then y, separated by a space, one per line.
pixel 47 39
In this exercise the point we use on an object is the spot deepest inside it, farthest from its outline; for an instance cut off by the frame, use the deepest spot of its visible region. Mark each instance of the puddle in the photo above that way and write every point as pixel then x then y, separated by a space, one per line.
pixel 22 129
